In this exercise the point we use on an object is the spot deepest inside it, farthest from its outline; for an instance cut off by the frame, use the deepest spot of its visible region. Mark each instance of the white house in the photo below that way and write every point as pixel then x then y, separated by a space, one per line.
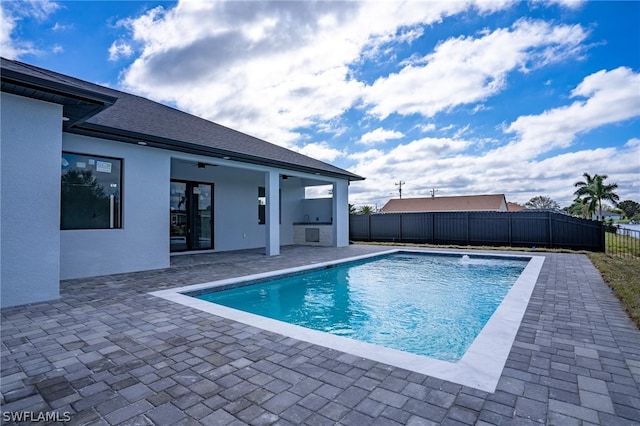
pixel 95 181
pixel 605 214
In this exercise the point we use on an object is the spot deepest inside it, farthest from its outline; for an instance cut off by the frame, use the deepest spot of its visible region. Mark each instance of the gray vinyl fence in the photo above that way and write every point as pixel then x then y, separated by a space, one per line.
pixel 513 229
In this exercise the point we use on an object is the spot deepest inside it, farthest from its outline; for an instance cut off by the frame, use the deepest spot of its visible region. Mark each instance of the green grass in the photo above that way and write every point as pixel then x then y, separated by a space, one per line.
pixel 620 272
pixel 622 245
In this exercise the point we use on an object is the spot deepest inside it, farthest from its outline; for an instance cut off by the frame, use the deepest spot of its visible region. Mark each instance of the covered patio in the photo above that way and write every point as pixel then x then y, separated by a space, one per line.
pixel 107 352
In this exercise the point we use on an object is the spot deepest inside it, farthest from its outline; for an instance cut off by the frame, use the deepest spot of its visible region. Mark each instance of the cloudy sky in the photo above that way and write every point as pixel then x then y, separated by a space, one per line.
pixel 464 97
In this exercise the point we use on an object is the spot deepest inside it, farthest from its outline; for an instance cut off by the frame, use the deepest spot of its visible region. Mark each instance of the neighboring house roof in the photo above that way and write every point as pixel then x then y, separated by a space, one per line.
pixel 98 111
pixel 495 202
pixel 515 207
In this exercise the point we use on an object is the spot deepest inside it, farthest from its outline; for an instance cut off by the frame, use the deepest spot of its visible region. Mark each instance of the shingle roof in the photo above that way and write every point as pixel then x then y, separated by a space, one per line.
pixel 492 202
pixel 515 207
pixel 129 118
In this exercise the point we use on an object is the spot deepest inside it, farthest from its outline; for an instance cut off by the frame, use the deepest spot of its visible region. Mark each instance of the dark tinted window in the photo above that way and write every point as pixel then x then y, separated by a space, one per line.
pixel 91 192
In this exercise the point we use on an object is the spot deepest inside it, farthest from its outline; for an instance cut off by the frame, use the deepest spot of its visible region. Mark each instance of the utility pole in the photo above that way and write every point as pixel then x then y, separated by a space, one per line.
pixel 433 192
pixel 399 185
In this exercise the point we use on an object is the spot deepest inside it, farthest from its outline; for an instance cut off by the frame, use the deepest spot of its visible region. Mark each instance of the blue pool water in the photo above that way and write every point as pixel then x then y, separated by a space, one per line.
pixel 432 305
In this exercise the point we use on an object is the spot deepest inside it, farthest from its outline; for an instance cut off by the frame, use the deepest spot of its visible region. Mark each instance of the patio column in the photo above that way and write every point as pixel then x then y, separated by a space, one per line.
pixel 341 213
pixel 272 193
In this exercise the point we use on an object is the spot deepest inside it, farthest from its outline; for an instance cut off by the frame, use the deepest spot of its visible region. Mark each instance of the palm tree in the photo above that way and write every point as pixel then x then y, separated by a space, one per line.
pixel 593 190
pixel 365 210
pixel 579 207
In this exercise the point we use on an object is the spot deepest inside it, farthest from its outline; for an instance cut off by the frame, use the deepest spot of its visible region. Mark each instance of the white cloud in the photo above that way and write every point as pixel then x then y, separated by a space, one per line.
pixel 7 25
pixel 601 99
pixel 320 151
pixel 38 9
pixel 363 156
pixel 421 164
pixel 11 12
pixel 458 134
pixel 273 67
pixel 446 165
pixel 569 4
pixel 466 70
pixel 454 172
pixel 379 135
pixel 278 69
pixel 61 27
pixel 429 127
pixel 120 49
pixel 610 98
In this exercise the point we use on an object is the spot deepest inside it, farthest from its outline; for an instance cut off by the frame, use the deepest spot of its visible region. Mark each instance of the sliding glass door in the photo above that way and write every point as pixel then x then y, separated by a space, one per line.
pixel 191 216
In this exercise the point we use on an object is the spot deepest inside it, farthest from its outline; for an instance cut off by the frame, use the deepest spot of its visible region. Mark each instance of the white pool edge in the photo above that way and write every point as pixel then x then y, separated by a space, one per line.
pixel 479 368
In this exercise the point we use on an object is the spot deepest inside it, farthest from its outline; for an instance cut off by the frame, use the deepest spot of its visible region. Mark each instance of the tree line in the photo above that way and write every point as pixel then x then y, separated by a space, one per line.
pixel 590 193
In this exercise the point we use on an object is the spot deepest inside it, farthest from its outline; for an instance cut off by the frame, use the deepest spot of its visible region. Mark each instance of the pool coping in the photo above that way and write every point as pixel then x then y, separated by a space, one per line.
pixel 480 367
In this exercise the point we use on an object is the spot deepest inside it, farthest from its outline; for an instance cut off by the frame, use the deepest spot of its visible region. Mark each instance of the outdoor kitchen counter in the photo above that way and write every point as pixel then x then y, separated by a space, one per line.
pixel 313 233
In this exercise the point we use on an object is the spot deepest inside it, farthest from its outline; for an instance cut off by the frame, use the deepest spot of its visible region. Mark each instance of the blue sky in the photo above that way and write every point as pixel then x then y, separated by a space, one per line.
pixel 465 97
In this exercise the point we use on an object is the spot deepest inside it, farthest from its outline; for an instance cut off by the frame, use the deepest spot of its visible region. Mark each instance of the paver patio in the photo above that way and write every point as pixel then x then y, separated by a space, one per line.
pixel 109 353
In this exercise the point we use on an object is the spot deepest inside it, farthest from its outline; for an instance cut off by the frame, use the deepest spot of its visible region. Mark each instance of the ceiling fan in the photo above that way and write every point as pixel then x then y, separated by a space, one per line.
pixel 199 164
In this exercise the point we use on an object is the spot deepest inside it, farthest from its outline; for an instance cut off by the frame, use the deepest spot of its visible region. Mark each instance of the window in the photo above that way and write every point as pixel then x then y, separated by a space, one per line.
pixel 91 192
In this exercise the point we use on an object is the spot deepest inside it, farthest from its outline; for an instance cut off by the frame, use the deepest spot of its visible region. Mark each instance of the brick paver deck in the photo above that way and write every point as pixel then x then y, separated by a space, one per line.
pixel 109 353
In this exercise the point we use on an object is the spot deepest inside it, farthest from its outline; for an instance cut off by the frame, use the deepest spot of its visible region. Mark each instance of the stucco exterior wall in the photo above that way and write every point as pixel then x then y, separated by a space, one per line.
pixel 143 241
pixel 317 210
pixel 30 143
pixel 35 253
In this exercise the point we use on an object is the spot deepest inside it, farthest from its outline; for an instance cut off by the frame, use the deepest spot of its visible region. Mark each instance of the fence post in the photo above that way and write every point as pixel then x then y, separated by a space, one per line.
pixel 400 236
pixel 467 215
pixel 433 228
pixel 369 228
pixel 550 229
pixel 510 226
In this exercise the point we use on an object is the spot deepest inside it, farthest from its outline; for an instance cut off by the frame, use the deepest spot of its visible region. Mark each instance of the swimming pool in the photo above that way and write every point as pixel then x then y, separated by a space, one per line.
pixel 479 350
pixel 401 300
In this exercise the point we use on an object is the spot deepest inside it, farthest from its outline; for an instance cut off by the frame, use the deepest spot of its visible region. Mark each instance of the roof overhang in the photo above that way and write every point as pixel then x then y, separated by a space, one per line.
pixel 92 130
pixel 78 104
